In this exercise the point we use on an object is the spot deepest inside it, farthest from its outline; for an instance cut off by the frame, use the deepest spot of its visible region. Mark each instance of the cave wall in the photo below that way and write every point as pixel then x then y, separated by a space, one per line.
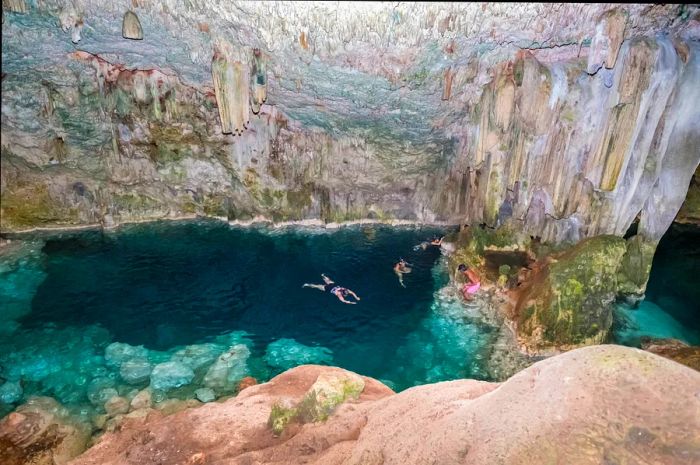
pixel 567 121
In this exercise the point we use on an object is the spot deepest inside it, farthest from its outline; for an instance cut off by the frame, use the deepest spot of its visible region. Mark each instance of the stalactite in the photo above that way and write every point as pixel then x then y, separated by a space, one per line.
pixel 232 89
pixel 15 6
pixel 131 26
pixel 259 81
pixel 447 90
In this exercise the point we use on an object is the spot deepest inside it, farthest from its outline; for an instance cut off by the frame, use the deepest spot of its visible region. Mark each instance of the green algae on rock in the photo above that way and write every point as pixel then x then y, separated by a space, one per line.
pixel 568 303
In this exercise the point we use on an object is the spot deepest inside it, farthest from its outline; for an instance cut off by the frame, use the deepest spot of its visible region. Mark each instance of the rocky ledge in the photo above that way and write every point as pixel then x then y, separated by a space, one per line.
pixel 602 404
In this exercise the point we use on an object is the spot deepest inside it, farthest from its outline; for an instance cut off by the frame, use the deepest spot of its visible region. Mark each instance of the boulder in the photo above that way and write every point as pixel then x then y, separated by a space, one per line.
pixel 141 400
pixel 41 432
pixel 10 392
pixel 169 375
pixel 198 355
pixel 135 370
pixel 117 353
pixel 116 405
pixel 205 394
pixel 229 368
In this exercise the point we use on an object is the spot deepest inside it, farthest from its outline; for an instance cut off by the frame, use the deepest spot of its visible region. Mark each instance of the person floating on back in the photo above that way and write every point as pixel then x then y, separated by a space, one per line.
pixel 425 244
pixel 329 286
pixel 473 282
pixel 401 268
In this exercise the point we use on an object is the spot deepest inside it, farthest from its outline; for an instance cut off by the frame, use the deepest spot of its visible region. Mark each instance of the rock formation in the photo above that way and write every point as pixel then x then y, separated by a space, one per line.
pixel 588 406
pixel 572 122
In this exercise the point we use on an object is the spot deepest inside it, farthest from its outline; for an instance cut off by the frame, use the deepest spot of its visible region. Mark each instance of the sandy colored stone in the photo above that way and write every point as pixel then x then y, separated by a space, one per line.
pixel 141 400
pixel 579 408
pixel 41 432
pixel 116 405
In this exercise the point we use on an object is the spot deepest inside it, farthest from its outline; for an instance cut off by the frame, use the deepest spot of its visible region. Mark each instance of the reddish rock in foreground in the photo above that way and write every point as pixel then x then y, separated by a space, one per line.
pixel 602 404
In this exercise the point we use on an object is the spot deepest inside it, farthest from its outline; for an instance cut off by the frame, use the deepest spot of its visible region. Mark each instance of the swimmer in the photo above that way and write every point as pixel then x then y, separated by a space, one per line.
pixel 425 244
pixel 338 291
pixel 401 268
pixel 473 282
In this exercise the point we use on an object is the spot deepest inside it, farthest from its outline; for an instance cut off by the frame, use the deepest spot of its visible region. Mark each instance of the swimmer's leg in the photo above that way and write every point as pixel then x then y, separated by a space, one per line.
pixel 320 287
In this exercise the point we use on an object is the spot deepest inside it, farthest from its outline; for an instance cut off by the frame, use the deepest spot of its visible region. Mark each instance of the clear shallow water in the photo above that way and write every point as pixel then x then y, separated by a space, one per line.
pixel 671 308
pixel 226 302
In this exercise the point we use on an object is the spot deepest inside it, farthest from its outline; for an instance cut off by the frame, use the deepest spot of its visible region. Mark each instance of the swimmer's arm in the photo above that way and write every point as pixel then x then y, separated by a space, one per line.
pixel 342 299
pixel 353 294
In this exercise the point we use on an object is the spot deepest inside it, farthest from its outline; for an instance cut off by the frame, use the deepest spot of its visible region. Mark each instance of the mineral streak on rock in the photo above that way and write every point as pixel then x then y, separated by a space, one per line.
pixel 232 87
pixel 15 6
pixel 131 26
pixel 259 75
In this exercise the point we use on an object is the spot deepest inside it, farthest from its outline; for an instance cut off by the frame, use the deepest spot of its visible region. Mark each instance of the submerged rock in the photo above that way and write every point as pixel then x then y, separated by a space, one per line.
pixel 197 356
pixel 118 352
pixel 171 375
pixel 287 353
pixel 229 368
pixel 205 394
pixel 10 392
pixel 136 370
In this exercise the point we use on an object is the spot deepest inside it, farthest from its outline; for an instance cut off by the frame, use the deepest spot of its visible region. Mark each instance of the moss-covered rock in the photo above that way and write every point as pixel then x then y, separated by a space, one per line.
pixel 327 393
pixel 567 304
pixel 635 266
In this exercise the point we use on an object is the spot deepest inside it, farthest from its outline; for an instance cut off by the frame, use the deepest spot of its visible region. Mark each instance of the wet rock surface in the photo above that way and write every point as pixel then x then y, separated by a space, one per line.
pixel 570 408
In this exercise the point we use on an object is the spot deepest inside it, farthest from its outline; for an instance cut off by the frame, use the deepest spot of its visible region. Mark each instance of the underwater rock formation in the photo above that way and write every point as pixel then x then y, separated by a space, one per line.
pixel 570 408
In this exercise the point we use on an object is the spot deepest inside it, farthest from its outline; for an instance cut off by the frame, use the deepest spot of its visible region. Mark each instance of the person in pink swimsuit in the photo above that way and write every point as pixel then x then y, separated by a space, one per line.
pixel 473 283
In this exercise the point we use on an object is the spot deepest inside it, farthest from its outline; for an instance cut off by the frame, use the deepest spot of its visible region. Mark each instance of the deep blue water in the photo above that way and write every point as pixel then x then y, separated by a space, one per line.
pixel 671 308
pixel 181 283
pixel 204 287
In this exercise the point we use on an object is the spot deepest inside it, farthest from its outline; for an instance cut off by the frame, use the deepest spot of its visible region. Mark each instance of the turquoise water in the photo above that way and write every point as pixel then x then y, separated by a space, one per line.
pixel 180 306
pixel 671 308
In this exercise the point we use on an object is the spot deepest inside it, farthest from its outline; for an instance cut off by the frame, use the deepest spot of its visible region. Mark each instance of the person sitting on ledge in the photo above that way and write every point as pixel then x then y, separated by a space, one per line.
pixel 473 282
pixel 329 286
pixel 401 268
